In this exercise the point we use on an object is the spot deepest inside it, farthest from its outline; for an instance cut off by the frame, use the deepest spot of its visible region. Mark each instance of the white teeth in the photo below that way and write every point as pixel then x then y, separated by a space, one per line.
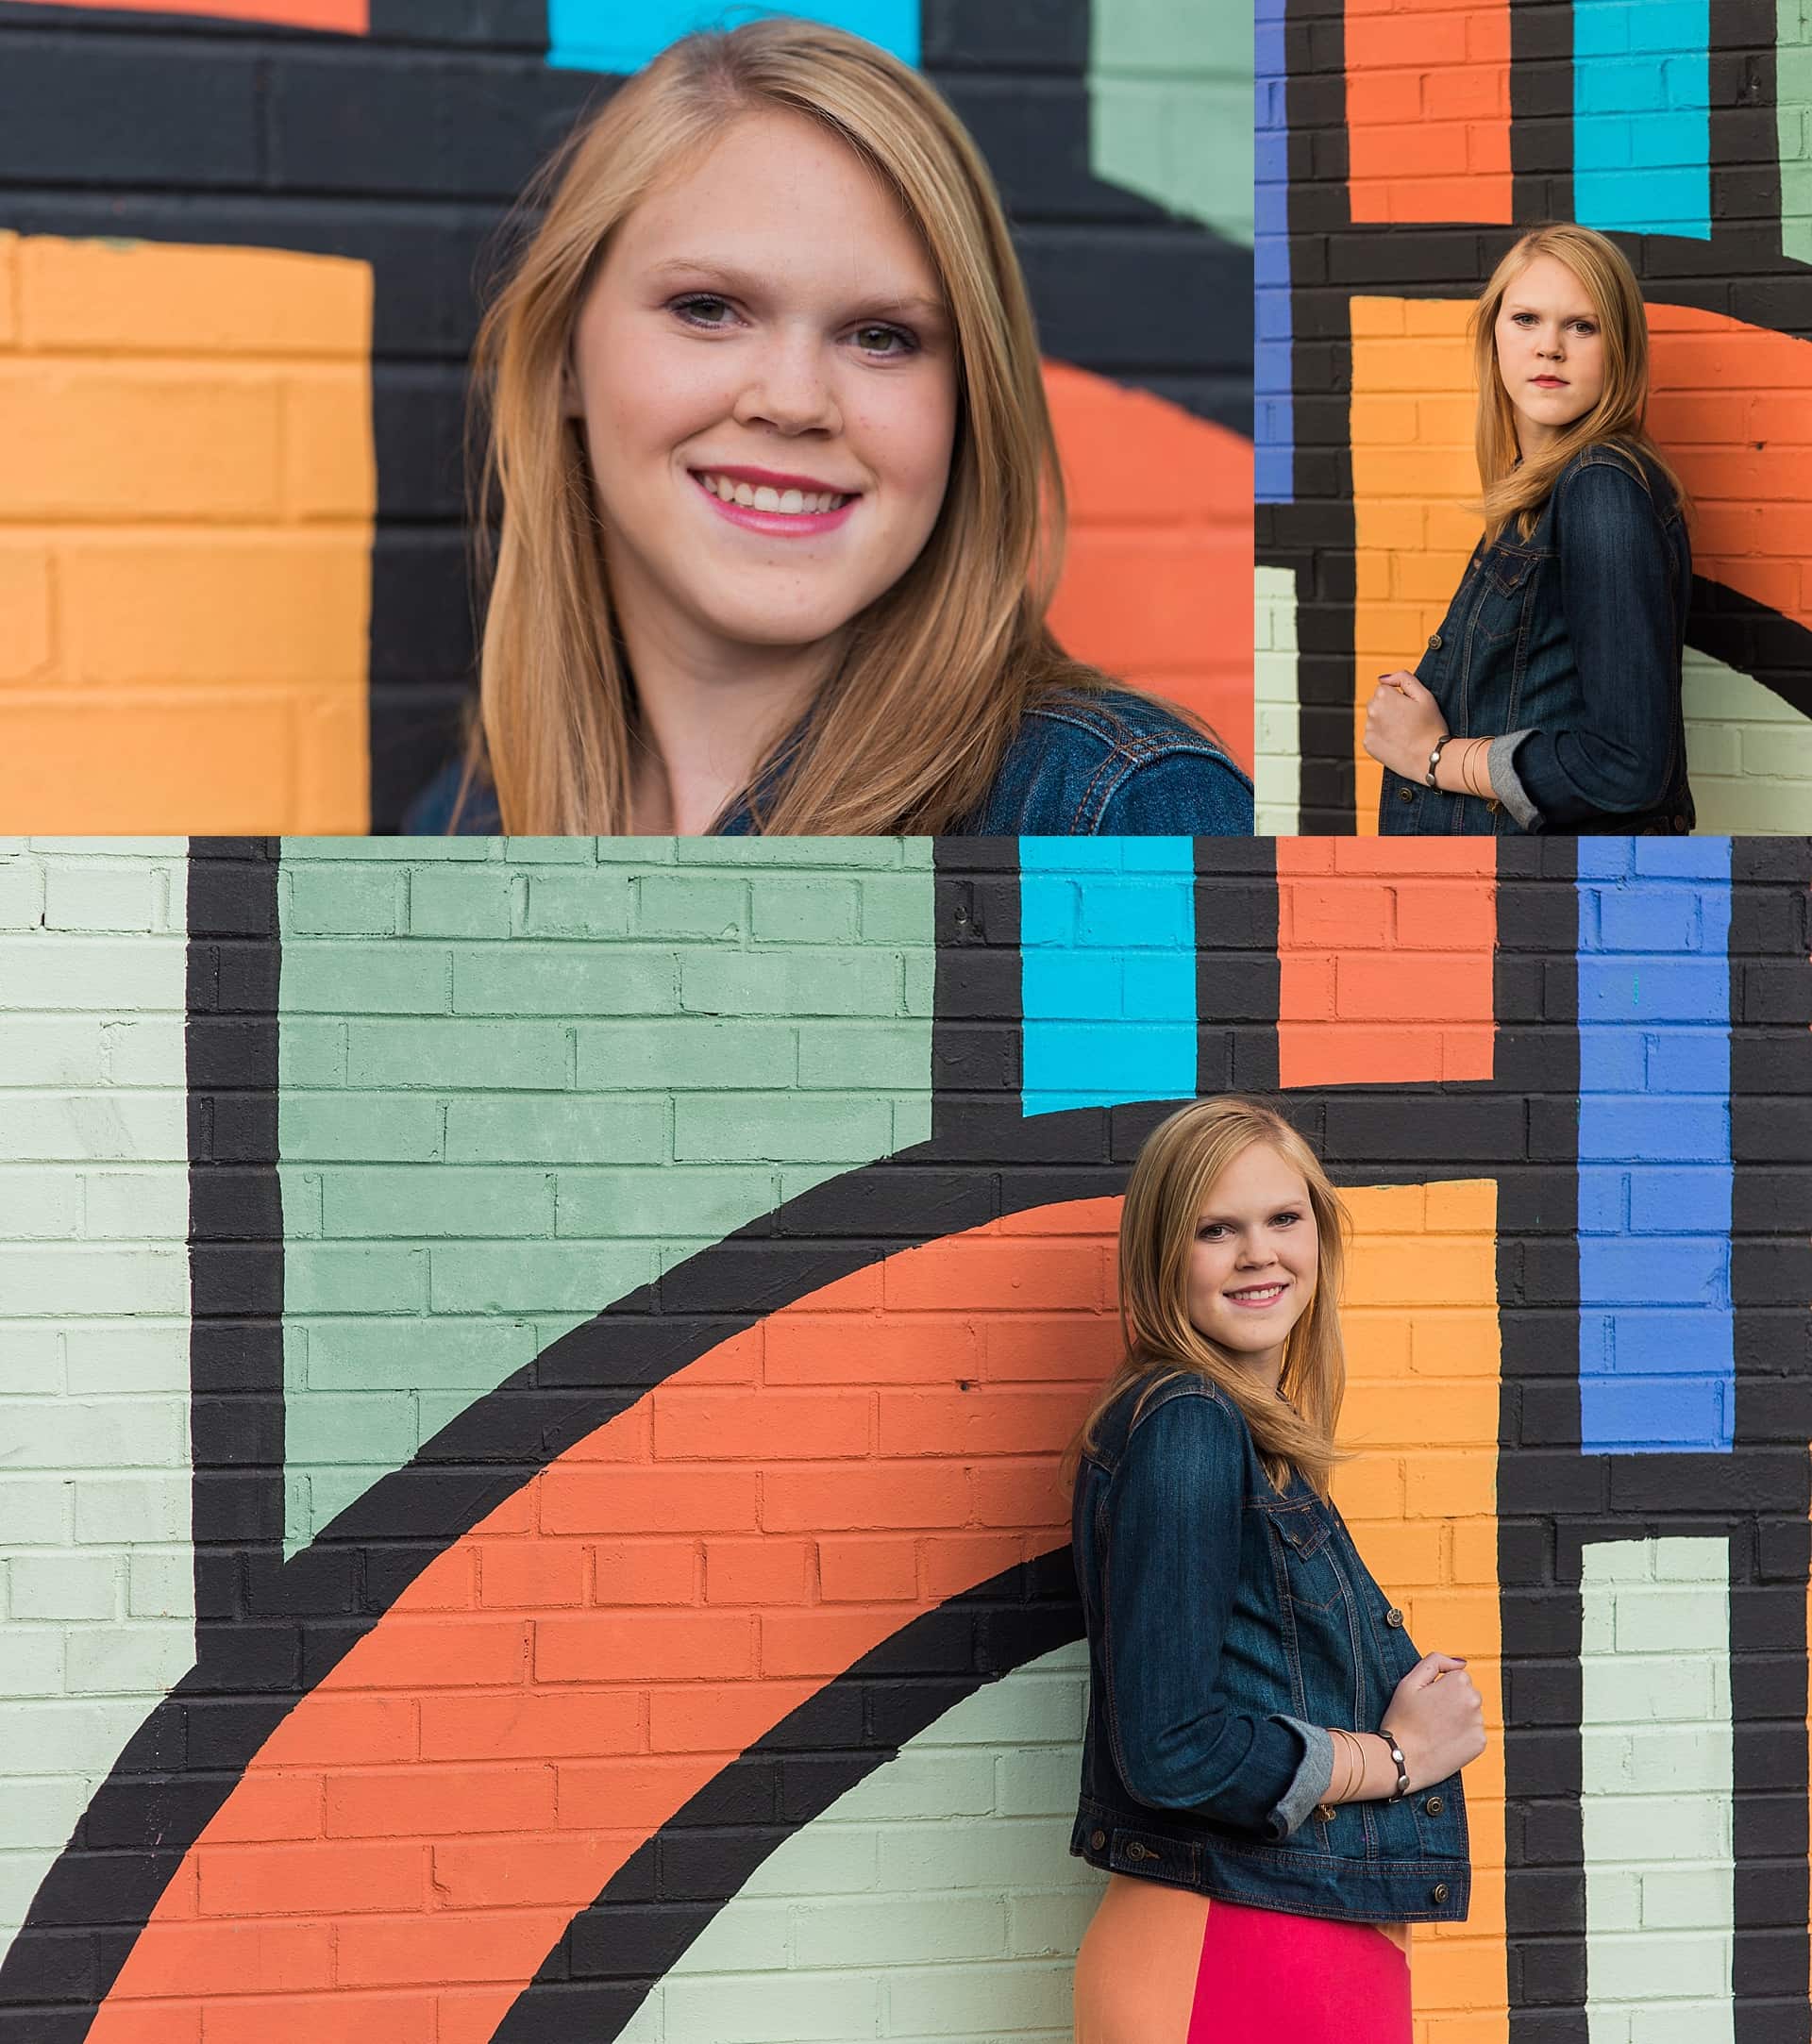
pixel 787 503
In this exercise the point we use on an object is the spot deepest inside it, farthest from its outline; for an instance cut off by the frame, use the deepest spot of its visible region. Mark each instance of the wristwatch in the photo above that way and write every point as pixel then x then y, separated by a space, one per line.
pixel 1435 758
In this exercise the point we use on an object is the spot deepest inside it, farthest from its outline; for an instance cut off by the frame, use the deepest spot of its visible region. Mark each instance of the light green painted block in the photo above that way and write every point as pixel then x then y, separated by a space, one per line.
pixel 498 1121
pixel 1793 122
pixel 961 1919
pixel 94 1467
pixel 1170 98
pixel 1656 1794
pixel 1748 754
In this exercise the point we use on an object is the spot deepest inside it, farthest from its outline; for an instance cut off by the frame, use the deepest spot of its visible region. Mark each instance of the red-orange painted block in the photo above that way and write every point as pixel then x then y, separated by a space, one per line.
pixel 443 1868
pixel 1157 587
pixel 1386 973
pixel 1428 109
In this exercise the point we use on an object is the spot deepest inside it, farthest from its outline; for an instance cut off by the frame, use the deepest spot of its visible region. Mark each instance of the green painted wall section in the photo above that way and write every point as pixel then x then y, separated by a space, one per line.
pixel 97 1574
pixel 936 1899
pixel 1749 753
pixel 1170 91
pixel 516 1087
pixel 1793 115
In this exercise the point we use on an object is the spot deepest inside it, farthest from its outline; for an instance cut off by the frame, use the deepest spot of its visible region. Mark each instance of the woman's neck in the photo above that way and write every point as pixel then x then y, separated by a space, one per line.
pixel 707 716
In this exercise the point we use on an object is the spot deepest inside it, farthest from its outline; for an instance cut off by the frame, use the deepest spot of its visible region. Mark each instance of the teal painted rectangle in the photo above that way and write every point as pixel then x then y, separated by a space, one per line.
pixel 613 36
pixel 1641 116
pixel 1108 971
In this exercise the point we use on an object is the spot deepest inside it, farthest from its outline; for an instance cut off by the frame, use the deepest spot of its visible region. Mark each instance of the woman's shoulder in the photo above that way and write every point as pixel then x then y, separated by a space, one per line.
pixel 1605 458
pixel 1110 761
pixel 1171 1404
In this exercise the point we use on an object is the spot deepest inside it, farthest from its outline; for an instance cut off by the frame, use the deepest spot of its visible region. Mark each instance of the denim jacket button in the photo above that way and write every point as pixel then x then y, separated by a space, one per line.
pixel 1438 1892
pixel 1098 1839
pixel 1435 1805
pixel 1393 1618
pixel 1406 795
pixel 1434 642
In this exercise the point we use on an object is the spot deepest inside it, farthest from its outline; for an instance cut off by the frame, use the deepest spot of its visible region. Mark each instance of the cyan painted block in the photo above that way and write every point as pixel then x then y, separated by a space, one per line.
pixel 622 35
pixel 1641 116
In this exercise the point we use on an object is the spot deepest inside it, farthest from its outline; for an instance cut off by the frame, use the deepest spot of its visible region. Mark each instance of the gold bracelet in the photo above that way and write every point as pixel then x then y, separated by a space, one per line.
pixel 1481 753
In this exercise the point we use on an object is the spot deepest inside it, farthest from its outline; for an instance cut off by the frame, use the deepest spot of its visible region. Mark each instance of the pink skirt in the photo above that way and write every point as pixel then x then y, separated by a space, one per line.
pixel 1160 1965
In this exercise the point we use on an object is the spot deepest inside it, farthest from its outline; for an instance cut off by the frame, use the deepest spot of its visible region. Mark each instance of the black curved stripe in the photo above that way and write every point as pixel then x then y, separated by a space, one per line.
pixel 666 1895
pixel 1756 640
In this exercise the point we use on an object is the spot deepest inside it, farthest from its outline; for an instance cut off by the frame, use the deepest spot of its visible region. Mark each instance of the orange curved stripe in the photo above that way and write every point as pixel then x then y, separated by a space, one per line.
pixel 400 1856
pixel 1157 584
pixel 1732 405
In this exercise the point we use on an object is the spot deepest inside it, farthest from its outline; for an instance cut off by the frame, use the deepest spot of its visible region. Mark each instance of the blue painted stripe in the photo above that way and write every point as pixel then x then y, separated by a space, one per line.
pixel 1657 1369
pixel 1274 480
pixel 620 36
pixel 1107 930
pixel 1642 116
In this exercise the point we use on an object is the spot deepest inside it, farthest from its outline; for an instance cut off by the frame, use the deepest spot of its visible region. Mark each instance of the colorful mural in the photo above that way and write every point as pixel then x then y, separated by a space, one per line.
pixel 620 1312
pixel 233 589
pixel 1376 229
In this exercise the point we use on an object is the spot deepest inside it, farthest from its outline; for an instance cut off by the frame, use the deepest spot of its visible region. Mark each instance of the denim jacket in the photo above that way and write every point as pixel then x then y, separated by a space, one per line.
pixel 1565 649
pixel 1082 763
pixel 1228 1624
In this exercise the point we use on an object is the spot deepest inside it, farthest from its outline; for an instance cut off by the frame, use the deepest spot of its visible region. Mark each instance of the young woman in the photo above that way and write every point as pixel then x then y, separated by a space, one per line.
pixel 780 508
pixel 1270 1773
pixel 1550 697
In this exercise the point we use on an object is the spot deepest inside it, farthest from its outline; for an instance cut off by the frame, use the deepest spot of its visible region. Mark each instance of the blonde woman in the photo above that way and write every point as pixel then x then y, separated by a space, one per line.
pixel 780 509
pixel 1550 699
pixel 1270 1773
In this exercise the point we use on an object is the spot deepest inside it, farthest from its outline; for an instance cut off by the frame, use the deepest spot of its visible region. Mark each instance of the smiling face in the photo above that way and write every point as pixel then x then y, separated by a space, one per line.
pixel 1252 1266
pixel 768 384
pixel 1551 351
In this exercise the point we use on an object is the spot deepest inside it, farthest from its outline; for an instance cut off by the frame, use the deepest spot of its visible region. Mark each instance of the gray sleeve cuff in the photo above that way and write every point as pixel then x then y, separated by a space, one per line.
pixel 1311 1781
pixel 1505 783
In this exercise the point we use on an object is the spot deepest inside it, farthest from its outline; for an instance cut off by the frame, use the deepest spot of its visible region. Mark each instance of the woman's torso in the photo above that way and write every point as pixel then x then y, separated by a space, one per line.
pixel 1083 764
pixel 1502 660
pixel 1310 1635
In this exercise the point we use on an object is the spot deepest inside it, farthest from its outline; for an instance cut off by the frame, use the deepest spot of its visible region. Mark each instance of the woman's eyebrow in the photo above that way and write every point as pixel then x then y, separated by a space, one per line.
pixel 751 283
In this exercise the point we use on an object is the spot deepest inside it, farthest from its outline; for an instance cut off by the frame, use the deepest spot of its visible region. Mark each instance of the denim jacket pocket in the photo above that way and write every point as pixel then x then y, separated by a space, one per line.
pixel 1506 588
pixel 1307 1562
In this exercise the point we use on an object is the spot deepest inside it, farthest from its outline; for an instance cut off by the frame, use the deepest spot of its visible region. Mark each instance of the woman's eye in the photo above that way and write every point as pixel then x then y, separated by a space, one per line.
pixel 697 309
pixel 886 340
pixel 1210 1232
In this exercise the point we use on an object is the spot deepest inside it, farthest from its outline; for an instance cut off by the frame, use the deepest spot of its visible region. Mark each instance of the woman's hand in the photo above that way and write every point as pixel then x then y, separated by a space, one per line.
pixel 1437 1718
pixel 1403 722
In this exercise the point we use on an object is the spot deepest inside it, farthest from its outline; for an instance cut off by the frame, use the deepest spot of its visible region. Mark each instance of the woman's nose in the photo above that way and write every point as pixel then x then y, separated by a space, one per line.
pixel 788 389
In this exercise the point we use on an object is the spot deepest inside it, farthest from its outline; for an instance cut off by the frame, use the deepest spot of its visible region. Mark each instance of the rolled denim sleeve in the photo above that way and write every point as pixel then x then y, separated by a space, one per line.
pixel 1172 1545
pixel 1184 792
pixel 1618 598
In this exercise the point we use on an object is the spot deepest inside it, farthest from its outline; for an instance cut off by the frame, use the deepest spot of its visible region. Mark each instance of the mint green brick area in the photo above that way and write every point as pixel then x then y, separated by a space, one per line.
pixel 937 1898
pixel 1170 106
pixel 1793 118
pixel 519 1086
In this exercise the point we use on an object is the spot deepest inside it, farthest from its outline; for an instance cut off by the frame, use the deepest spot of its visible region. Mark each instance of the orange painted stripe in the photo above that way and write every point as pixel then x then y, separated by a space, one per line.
pixel 1732 406
pixel 1385 949
pixel 1157 585
pixel 559 1681
pixel 1428 109
pixel 337 16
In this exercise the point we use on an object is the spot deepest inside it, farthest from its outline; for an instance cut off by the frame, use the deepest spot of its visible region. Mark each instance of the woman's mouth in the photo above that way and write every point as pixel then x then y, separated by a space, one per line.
pixel 1549 383
pixel 788 511
pixel 1257 1297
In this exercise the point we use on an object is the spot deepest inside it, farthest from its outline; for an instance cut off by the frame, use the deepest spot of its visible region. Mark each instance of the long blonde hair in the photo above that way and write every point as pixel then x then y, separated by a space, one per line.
pixel 1602 267
pixel 909 730
pixel 1170 1182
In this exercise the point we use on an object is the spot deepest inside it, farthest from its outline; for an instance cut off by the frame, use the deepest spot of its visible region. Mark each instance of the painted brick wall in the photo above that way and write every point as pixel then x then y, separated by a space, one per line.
pixel 233 344
pixel 628 1302
pixel 98 1614
pixel 1410 144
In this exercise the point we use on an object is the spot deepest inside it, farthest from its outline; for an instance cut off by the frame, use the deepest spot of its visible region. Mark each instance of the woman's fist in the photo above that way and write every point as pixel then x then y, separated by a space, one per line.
pixel 1437 1716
